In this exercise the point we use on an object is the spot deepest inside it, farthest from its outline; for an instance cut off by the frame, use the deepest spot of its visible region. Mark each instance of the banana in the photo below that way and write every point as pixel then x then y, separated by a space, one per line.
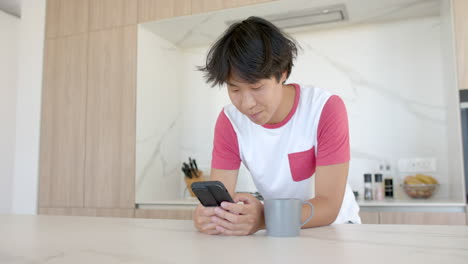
pixel 426 179
pixel 434 181
pixel 423 178
pixel 412 180
pixel 420 179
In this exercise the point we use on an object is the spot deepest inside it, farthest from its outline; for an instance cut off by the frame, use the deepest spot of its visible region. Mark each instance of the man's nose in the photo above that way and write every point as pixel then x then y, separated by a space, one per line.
pixel 248 101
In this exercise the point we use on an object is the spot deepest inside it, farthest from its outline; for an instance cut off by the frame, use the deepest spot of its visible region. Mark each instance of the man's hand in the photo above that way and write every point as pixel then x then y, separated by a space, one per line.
pixel 202 220
pixel 239 219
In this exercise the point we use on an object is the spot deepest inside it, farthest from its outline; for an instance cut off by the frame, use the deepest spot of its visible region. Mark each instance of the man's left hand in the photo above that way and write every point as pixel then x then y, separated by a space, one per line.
pixel 240 219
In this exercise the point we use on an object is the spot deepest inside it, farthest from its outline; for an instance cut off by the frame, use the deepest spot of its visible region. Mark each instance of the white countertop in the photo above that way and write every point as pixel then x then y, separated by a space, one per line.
pixel 413 202
pixel 70 239
pixel 385 203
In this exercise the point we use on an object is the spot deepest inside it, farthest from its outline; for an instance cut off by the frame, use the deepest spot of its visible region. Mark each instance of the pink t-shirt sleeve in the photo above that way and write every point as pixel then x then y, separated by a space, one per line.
pixel 225 146
pixel 333 133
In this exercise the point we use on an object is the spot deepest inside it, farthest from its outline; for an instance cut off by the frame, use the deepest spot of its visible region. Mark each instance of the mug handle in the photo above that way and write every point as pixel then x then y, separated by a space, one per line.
pixel 311 214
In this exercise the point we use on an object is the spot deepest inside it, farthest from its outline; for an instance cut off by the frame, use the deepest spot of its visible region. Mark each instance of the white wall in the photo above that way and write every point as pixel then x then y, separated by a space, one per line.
pixel 9 40
pixel 452 98
pixel 158 119
pixel 28 106
pixel 390 76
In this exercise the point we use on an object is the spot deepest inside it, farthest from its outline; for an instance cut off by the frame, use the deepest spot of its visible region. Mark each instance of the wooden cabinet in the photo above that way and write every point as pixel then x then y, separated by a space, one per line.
pixel 111 115
pixel 66 17
pixel 422 218
pixel 460 12
pixel 62 151
pixel 87 153
pixel 369 217
pixel 106 14
pixel 150 10
pixel 202 6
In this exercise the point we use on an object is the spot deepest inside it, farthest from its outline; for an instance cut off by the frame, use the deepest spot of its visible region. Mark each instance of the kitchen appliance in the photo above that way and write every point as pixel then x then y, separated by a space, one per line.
pixel 307 17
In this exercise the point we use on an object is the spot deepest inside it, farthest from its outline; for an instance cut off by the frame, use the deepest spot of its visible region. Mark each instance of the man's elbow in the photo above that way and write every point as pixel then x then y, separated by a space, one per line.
pixel 331 209
pixel 332 217
pixel 332 213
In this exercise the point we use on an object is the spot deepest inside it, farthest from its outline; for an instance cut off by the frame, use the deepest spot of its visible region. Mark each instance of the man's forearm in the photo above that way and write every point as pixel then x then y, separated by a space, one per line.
pixel 324 212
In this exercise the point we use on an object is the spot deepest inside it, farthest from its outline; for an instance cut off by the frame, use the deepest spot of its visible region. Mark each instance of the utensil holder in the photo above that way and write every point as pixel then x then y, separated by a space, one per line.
pixel 189 181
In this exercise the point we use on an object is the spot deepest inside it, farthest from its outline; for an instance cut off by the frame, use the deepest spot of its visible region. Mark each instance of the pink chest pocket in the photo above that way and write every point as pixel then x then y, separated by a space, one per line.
pixel 302 164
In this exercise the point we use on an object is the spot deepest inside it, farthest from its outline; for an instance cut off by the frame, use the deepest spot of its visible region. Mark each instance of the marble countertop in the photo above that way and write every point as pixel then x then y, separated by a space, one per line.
pixel 70 239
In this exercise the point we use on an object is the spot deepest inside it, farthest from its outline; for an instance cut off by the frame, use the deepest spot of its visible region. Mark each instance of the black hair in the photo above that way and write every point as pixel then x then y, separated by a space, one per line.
pixel 252 49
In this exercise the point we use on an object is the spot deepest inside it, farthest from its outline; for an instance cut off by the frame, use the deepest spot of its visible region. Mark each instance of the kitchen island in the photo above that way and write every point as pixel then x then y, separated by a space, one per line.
pixel 70 239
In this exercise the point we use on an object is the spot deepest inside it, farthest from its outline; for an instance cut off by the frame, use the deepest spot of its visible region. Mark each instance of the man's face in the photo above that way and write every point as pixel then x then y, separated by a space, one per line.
pixel 258 101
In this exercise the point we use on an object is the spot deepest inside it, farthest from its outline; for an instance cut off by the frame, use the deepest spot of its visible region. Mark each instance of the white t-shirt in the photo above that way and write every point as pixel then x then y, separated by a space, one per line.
pixel 282 157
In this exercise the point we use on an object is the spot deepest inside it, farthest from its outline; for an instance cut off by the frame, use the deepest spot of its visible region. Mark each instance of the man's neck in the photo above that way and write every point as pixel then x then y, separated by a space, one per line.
pixel 286 104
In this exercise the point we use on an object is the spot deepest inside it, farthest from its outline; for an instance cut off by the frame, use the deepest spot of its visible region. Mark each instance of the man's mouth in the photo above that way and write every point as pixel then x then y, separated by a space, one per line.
pixel 255 116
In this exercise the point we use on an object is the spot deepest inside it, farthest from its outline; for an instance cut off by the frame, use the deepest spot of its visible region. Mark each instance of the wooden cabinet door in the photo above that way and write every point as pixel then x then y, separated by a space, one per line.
pixel 460 11
pixel 150 10
pixel 369 217
pixel 422 218
pixel 106 14
pixel 62 147
pixel 66 17
pixel 110 124
pixel 203 6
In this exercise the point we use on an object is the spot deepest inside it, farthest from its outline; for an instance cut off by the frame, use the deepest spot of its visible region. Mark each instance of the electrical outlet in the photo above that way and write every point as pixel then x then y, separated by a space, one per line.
pixel 417 165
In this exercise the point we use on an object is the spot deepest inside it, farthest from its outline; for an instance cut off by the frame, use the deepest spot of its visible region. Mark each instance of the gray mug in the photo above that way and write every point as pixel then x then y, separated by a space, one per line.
pixel 283 216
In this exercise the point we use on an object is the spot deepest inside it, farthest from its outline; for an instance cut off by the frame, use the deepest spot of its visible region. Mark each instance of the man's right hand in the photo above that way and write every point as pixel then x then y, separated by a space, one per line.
pixel 202 220
pixel 203 216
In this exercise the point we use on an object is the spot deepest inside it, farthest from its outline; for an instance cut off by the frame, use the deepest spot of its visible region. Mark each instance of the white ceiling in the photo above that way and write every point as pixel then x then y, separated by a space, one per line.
pixel 12 7
pixel 203 29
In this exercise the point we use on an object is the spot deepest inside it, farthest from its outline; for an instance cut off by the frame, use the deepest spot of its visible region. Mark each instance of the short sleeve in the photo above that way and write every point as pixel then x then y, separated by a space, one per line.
pixel 333 133
pixel 225 146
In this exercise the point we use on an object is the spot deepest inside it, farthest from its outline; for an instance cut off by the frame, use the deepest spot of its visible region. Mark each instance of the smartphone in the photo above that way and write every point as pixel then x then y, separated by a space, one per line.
pixel 211 193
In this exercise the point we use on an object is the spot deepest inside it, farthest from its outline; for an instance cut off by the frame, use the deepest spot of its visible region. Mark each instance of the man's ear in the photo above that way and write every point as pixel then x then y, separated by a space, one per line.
pixel 284 76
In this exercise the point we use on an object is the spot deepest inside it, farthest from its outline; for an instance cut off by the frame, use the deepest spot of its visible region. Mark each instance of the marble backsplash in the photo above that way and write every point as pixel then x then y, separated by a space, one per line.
pixel 390 76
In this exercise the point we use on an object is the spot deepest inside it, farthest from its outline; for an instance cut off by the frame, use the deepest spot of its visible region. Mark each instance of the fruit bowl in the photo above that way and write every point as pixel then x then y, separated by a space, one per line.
pixel 420 190
pixel 420 186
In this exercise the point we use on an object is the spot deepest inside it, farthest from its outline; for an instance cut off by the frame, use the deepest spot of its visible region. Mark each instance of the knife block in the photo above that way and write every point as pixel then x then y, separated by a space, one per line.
pixel 189 181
